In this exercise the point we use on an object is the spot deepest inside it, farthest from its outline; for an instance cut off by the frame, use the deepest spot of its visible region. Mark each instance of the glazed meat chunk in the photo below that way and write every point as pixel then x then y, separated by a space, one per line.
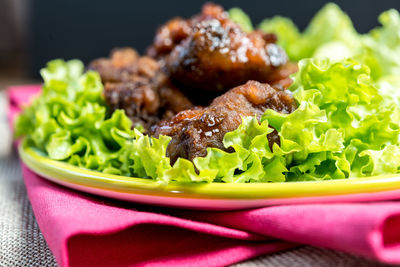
pixel 168 36
pixel 213 54
pixel 177 29
pixel 217 56
pixel 208 54
pixel 138 86
pixel 194 130
pixel 121 66
pixel 139 101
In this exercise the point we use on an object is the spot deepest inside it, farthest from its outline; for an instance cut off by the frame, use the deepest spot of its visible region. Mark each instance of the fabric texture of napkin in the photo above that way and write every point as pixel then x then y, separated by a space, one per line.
pixel 86 230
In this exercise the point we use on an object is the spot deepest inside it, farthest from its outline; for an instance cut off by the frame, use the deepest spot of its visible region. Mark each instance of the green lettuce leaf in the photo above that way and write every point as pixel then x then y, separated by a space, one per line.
pixel 381 47
pixel 237 15
pixel 330 34
pixel 355 119
pixel 69 121
pixel 346 124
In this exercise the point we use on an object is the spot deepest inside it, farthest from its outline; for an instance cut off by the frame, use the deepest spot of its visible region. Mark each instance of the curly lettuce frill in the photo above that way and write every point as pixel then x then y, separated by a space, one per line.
pixel 331 34
pixel 342 128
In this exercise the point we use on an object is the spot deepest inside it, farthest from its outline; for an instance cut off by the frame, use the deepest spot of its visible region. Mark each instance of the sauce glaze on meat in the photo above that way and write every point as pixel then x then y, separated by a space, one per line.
pixel 199 60
pixel 210 54
pixel 194 130
pixel 138 86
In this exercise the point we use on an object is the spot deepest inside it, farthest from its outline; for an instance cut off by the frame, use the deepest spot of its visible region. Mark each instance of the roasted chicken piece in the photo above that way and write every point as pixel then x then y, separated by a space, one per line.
pixel 194 130
pixel 177 29
pixel 139 100
pixel 137 85
pixel 208 54
pixel 168 36
pixel 217 57
pixel 203 56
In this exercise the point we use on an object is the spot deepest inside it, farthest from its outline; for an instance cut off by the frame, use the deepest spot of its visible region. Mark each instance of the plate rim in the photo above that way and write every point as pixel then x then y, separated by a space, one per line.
pixel 84 177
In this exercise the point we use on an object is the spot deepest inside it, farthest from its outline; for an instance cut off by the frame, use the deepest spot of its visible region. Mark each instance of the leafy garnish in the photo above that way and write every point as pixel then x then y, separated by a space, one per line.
pixel 346 124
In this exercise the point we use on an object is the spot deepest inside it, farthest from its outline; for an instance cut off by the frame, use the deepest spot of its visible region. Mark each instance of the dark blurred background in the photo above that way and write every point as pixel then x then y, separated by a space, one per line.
pixel 33 32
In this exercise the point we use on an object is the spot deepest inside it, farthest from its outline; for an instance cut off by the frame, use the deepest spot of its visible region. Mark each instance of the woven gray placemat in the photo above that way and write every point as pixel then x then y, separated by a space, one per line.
pixel 22 244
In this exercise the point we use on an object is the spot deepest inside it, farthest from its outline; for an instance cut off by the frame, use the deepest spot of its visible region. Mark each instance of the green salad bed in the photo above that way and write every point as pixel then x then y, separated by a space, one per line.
pixel 347 123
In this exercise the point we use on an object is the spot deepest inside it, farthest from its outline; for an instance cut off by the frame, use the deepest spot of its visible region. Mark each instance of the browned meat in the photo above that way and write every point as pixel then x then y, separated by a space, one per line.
pixel 138 86
pixel 208 54
pixel 200 58
pixel 168 36
pixel 216 57
pixel 178 29
pixel 171 98
pixel 139 100
pixel 125 65
pixel 194 130
pixel 281 78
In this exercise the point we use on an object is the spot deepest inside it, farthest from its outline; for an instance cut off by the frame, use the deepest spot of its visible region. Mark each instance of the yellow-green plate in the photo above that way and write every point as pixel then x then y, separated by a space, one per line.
pixel 214 196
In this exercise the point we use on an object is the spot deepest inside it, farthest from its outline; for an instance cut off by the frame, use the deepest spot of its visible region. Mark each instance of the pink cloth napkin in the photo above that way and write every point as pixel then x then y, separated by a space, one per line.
pixel 85 230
